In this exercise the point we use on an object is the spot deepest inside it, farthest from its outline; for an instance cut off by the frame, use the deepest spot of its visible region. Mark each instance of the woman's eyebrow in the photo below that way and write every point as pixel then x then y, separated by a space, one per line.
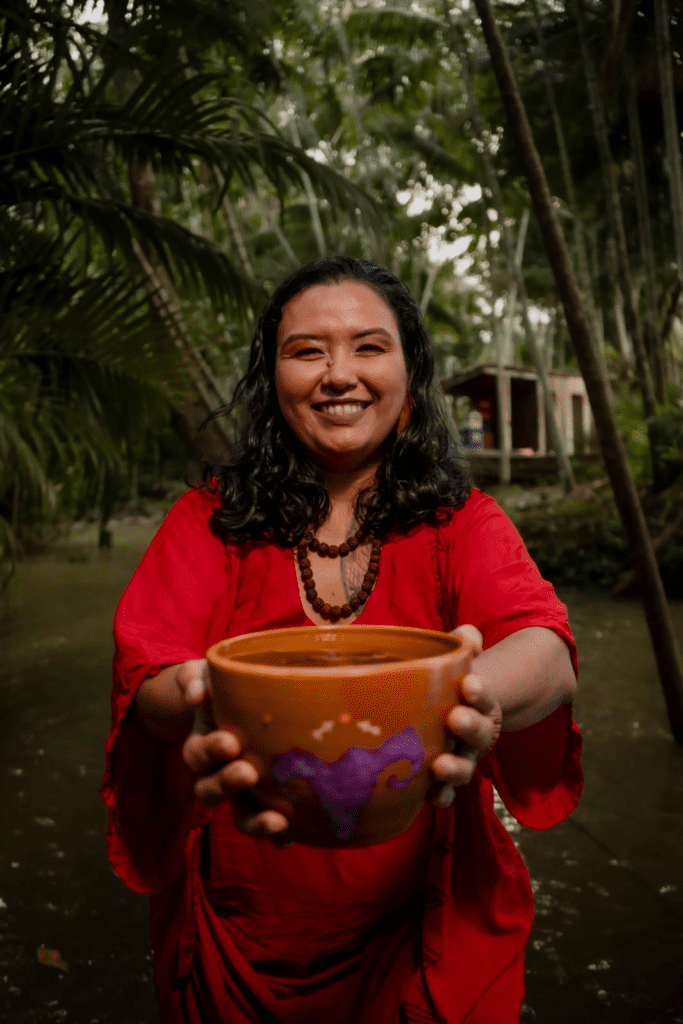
pixel 373 330
pixel 306 336
pixel 302 337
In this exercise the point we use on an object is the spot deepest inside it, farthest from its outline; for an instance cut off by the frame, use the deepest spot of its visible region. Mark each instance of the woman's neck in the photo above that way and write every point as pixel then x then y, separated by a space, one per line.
pixel 343 489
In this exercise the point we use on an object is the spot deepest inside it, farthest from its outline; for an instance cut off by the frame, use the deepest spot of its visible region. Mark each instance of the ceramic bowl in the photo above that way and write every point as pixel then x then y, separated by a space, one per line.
pixel 341 722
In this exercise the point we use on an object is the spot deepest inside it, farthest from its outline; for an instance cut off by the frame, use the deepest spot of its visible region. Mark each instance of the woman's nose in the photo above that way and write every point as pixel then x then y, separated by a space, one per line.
pixel 340 371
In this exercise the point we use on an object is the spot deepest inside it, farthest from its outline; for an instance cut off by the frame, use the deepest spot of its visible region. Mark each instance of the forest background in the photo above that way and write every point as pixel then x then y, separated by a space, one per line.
pixel 166 164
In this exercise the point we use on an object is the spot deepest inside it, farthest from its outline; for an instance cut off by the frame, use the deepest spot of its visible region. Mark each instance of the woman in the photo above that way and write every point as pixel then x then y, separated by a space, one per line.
pixel 344 503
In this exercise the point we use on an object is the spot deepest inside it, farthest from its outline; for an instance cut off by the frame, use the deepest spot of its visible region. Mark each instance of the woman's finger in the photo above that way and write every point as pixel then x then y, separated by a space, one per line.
pixel 454 769
pixel 444 796
pixel 470 634
pixel 227 782
pixel 257 821
pixel 202 753
pixel 477 731
pixel 264 825
pixel 473 691
pixel 193 681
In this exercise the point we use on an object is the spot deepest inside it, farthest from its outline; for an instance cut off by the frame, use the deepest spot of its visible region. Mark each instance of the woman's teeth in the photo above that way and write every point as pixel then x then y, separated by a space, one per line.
pixel 341 409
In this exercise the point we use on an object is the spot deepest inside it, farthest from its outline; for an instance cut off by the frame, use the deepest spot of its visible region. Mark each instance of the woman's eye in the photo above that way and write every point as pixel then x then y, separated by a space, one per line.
pixel 370 347
pixel 309 352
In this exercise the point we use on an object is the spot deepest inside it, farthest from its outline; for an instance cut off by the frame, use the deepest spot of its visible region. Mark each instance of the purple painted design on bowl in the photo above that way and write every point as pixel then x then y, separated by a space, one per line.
pixel 346 785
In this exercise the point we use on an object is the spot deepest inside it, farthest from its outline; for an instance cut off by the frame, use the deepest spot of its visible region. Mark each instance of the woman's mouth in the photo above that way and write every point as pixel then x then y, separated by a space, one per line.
pixel 340 410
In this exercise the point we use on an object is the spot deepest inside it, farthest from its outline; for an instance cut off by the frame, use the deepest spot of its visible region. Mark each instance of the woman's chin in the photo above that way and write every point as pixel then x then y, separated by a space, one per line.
pixel 344 457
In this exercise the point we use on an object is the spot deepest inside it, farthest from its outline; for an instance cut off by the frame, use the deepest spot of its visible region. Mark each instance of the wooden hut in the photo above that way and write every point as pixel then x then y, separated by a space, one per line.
pixel 506 435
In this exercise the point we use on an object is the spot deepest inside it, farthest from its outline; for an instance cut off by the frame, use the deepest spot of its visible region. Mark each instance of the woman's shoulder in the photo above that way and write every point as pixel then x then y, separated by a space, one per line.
pixel 197 500
pixel 194 508
pixel 479 510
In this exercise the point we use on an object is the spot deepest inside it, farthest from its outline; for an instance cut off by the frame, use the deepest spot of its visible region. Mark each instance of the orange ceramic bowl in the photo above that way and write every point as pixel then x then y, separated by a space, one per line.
pixel 342 722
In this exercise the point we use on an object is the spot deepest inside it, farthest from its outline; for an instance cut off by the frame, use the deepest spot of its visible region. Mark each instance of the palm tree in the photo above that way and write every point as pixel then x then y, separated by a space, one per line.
pixel 86 372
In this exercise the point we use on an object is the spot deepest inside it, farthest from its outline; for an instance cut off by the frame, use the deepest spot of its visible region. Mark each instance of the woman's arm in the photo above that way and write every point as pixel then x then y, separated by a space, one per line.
pixel 514 684
pixel 530 674
pixel 165 703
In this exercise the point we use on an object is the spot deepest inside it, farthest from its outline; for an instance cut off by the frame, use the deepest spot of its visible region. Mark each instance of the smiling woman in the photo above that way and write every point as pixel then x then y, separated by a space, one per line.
pixel 346 500
pixel 340 374
pixel 337 333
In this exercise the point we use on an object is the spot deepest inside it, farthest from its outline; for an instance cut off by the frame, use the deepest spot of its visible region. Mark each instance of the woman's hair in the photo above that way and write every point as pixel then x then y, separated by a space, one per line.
pixel 273 489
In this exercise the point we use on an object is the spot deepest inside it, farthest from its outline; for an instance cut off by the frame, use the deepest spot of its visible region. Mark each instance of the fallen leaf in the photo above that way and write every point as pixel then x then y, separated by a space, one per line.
pixel 51 958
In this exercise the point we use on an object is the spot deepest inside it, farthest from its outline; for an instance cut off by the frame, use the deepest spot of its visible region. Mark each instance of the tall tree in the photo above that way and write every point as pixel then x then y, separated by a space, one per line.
pixel 616 223
pixel 74 240
pixel 568 177
pixel 665 643
pixel 653 335
pixel 671 133
pixel 514 268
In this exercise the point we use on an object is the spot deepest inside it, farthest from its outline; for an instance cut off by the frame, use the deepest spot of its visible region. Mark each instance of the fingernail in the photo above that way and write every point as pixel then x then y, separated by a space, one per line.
pixel 195 690
pixel 445 798
pixel 473 690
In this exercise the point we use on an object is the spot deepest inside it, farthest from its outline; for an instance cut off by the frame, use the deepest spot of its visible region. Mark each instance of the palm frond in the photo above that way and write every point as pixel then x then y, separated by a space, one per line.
pixel 393 25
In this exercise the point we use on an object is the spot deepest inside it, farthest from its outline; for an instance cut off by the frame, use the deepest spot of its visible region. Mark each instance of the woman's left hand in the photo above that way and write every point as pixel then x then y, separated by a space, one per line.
pixel 475 723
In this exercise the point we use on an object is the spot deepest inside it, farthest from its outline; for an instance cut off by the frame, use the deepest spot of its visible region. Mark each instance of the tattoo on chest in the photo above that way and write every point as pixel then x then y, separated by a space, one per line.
pixel 353 569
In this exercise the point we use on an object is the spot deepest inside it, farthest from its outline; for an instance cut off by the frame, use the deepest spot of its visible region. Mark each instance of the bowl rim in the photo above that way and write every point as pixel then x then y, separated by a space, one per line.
pixel 223 661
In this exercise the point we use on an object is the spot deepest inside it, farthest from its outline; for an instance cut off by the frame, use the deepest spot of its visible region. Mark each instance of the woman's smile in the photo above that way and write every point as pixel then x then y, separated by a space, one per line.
pixel 341 411
pixel 340 373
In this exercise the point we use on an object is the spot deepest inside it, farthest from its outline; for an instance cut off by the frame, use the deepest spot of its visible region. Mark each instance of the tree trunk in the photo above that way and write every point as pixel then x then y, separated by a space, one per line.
pixel 616 224
pixel 645 233
pixel 210 444
pixel 569 187
pixel 507 341
pixel 668 305
pixel 515 273
pixel 311 198
pixel 672 137
pixel 272 224
pixel 428 288
pixel 350 73
pixel 665 643
pixel 496 325
pixel 237 237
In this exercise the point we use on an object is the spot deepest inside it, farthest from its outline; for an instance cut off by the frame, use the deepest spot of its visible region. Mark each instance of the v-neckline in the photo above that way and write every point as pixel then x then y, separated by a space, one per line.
pixel 309 620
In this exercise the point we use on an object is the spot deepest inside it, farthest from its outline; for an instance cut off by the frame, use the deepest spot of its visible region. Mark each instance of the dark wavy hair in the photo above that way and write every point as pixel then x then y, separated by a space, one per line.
pixel 273 490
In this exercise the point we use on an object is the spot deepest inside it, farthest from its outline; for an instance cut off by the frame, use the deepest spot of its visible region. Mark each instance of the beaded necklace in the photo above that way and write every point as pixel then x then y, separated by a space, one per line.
pixel 336 611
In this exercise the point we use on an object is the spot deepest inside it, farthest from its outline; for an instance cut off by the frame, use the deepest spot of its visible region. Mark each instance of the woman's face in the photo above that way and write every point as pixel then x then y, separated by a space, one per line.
pixel 340 374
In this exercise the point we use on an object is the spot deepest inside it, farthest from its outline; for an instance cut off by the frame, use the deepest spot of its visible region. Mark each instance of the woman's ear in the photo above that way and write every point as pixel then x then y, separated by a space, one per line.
pixel 405 414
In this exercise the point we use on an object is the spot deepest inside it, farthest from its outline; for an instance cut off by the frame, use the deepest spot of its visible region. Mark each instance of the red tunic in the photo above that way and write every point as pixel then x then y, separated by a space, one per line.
pixel 429 926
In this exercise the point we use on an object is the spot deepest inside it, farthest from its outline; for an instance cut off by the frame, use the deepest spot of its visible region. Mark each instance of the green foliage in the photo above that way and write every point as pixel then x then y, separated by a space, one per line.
pixel 88 375
pixel 577 544
pixel 633 429
pixel 667 431
pixel 267 132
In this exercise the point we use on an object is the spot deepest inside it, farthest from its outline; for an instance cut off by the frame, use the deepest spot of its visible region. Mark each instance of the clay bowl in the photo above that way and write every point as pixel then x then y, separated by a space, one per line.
pixel 341 722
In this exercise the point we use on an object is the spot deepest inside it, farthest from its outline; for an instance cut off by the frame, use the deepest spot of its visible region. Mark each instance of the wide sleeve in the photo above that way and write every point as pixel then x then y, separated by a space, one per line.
pixel 178 602
pixel 490 580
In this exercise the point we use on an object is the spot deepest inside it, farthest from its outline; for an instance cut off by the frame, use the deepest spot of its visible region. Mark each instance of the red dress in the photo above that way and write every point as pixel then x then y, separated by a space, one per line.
pixel 429 926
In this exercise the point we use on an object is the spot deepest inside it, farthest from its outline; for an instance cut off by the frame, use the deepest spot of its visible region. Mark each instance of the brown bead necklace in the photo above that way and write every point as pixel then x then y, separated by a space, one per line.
pixel 337 611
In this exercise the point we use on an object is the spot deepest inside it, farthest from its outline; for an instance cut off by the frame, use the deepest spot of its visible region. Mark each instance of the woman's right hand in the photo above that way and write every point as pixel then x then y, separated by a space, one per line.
pixel 213 754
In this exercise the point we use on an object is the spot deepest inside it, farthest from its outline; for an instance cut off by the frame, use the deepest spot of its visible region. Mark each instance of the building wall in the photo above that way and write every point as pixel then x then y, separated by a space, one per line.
pixel 566 389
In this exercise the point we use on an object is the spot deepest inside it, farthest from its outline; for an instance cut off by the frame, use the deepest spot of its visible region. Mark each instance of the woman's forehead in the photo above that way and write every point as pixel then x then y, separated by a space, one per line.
pixel 337 305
